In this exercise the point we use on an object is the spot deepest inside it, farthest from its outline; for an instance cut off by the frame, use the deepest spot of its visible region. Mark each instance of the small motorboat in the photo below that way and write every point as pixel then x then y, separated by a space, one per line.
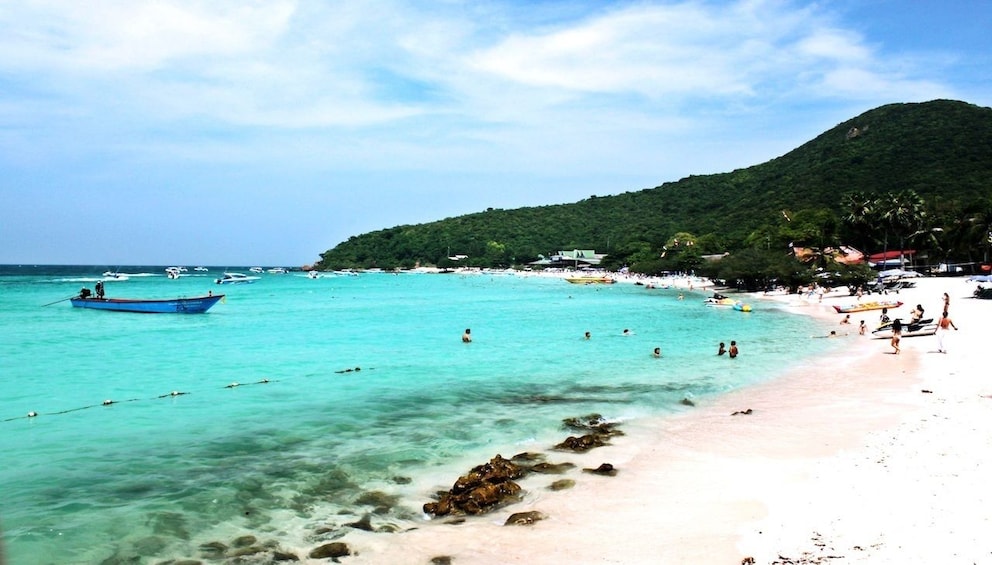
pixel 236 278
pixel 194 305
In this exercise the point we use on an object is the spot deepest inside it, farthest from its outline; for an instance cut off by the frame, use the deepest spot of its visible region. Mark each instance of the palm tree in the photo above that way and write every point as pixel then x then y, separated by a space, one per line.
pixel 861 216
pixel 905 215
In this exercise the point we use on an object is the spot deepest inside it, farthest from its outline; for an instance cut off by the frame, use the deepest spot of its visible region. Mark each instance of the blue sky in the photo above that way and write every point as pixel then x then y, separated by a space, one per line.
pixel 241 133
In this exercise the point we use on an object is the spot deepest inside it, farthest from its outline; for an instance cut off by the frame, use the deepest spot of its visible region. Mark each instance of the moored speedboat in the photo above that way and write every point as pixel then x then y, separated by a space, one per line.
pixel 236 278
pixel 194 305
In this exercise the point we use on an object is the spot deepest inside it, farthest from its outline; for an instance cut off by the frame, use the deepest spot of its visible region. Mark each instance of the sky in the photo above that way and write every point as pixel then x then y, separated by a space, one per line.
pixel 240 132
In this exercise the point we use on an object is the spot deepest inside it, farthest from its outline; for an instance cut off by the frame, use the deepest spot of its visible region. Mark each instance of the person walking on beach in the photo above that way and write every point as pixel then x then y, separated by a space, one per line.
pixel 942 326
pixel 862 328
pixel 896 334
pixel 733 349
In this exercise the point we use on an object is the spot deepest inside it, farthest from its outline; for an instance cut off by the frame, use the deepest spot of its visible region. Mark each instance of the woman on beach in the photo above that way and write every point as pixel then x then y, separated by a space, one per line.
pixel 896 334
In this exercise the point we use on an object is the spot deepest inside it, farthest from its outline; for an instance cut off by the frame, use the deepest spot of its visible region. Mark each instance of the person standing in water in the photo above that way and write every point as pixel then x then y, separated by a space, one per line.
pixel 733 349
pixel 722 350
pixel 467 336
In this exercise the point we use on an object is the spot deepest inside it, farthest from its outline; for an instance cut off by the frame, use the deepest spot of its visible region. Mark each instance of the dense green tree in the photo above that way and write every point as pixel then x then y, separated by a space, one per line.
pixel 885 179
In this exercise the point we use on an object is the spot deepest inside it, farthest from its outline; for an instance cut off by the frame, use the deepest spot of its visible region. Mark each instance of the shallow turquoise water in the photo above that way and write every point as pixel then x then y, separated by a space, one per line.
pixel 154 475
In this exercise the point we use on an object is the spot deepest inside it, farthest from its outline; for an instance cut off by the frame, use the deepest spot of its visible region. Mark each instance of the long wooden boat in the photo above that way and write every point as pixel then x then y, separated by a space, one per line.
pixel 863 306
pixel 194 305
pixel 590 280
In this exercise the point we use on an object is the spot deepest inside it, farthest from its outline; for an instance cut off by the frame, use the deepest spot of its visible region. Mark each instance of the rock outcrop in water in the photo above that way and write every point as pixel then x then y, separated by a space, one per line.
pixel 482 489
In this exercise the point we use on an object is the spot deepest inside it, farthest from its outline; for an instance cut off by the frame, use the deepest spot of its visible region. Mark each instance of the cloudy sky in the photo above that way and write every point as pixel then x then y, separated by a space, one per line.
pixel 264 132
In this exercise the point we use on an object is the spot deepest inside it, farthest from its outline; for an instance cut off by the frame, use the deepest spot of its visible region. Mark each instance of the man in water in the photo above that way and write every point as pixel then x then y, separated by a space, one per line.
pixel 722 350
pixel 467 336
pixel 733 349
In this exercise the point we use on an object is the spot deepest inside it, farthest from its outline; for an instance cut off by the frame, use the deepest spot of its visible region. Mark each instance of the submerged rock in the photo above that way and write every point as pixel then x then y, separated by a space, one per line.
pixel 561 484
pixel 552 468
pixel 605 469
pixel 330 551
pixel 524 518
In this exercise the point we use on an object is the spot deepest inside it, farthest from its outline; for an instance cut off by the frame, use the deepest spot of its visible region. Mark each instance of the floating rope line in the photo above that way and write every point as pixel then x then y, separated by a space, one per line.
pixel 111 402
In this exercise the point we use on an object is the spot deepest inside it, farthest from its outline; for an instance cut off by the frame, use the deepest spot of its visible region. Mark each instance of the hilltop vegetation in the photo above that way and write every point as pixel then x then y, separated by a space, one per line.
pixel 901 174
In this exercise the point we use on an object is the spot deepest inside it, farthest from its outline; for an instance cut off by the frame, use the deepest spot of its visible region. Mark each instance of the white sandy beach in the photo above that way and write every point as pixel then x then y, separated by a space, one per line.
pixel 860 457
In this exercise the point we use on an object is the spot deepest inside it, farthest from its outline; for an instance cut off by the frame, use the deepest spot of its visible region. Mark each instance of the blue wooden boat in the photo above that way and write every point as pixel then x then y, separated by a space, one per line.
pixel 195 305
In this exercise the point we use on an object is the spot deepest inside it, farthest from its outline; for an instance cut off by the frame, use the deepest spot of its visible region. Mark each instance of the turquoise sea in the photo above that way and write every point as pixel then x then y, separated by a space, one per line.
pixel 153 475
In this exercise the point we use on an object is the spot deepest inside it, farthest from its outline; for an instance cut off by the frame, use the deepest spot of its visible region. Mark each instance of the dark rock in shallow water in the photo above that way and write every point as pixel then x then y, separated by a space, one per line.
pixel 365 523
pixel 561 484
pixel 244 541
pixel 552 468
pixel 213 549
pixel 687 402
pixel 524 518
pixel 605 469
pixel 527 457
pixel 441 560
pixel 330 551
pixel 402 480
pixel 246 551
pixel 284 556
pixel 481 490
pixel 377 498
pixel 586 422
pixel 581 444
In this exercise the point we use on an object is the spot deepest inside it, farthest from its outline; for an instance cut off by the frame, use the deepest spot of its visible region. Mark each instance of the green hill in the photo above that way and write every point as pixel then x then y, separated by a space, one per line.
pixel 940 150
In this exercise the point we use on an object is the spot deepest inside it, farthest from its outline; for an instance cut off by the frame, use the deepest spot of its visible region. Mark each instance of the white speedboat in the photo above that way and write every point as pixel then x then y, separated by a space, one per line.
pixel 256 269
pixel 114 276
pixel 173 272
pixel 236 278
pixel 313 274
pixel 277 271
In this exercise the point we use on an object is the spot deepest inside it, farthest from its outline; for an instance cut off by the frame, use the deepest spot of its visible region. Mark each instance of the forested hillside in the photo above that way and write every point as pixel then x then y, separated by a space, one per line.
pixel 939 151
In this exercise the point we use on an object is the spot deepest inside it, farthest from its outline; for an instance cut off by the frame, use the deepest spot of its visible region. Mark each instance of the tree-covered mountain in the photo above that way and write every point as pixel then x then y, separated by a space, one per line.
pixel 938 152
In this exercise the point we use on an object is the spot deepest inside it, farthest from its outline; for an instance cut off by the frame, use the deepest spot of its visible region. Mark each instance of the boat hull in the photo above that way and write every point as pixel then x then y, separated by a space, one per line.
pixel 911 330
pixel 864 306
pixel 196 305
pixel 590 280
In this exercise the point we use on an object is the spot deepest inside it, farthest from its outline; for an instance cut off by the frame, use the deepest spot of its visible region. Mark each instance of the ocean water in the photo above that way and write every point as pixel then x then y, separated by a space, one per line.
pixel 345 385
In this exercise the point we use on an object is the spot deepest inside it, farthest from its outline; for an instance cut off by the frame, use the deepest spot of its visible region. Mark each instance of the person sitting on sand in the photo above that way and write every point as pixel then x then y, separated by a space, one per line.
pixel 884 318
pixel 916 315
pixel 467 336
pixel 733 349
pixel 722 350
